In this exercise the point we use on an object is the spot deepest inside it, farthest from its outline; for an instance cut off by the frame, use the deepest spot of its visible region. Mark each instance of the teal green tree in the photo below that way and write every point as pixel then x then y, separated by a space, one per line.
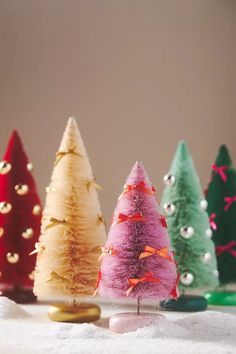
pixel 188 224
pixel 221 197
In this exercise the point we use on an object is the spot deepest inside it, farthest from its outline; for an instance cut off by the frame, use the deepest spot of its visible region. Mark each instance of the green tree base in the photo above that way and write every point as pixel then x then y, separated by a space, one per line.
pixel 221 298
pixel 185 303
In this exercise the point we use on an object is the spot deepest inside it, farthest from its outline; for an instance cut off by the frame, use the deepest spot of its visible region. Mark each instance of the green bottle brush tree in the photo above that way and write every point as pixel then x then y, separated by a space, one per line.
pixel 190 232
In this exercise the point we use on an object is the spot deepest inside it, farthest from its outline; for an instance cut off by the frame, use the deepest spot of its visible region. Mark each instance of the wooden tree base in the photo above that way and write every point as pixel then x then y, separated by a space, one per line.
pixel 74 313
pixel 221 298
pixel 20 295
pixel 186 303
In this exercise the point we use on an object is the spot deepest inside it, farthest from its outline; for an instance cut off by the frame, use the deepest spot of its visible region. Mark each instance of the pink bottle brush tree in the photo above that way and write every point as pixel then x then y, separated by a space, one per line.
pixel 137 261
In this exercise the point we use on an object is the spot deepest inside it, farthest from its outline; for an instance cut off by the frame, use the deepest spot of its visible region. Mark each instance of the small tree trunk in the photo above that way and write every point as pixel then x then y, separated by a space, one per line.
pixel 138 307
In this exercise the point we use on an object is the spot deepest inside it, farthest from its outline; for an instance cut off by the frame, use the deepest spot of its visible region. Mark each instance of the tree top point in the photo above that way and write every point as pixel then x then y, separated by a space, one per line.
pixel 223 157
pixel 72 120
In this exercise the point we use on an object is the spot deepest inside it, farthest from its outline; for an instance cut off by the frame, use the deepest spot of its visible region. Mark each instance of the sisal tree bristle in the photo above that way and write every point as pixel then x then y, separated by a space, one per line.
pixel 20 225
pixel 188 224
pixel 222 187
pixel 71 233
pixel 142 226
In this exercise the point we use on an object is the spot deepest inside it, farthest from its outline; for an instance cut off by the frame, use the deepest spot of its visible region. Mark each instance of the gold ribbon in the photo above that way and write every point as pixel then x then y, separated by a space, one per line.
pixel 38 249
pixel 107 251
pixel 92 183
pixel 55 276
pixel 61 154
pixel 55 222
pixel 100 220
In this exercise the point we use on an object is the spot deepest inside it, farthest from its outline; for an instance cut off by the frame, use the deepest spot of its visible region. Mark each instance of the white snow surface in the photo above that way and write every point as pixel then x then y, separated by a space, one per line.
pixel 10 310
pixel 27 329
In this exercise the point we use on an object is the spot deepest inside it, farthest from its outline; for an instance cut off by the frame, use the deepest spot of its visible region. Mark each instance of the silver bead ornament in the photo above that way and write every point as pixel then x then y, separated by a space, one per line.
pixel 36 209
pixel 169 180
pixel 5 207
pixel 186 278
pixel 203 204
pixel 30 166
pixel 207 257
pixel 209 233
pixel 169 209
pixel 21 189
pixel 187 232
pixel 28 233
pixel 5 167
pixel 12 257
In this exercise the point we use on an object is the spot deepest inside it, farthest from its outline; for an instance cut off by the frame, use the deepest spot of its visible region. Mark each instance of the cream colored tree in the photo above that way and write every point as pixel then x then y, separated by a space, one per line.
pixel 73 229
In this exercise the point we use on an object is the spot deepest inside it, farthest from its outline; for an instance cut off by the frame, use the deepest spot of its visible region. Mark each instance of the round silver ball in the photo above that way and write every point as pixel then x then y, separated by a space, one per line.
pixel 169 209
pixel 169 180
pixel 187 232
pixel 21 189
pixel 186 278
pixel 5 167
pixel 203 204
pixel 36 209
pixel 209 233
pixel 207 257
pixel 30 166
pixel 28 233
pixel 12 258
pixel 5 207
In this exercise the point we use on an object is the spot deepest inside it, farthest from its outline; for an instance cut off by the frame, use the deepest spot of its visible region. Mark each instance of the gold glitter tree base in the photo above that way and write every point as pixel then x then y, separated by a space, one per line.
pixel 74 313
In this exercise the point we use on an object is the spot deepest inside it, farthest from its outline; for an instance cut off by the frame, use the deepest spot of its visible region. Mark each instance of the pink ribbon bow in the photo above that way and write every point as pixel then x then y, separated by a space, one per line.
pixel 212 222
pixel 221 171
pixel 229 201
pixel 226 248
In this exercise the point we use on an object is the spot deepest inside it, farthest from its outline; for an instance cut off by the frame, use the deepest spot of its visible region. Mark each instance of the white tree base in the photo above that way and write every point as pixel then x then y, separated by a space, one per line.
pixel 131 321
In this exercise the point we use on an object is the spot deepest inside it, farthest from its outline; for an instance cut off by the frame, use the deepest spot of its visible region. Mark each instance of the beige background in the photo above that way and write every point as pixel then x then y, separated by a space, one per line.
pixel 138 75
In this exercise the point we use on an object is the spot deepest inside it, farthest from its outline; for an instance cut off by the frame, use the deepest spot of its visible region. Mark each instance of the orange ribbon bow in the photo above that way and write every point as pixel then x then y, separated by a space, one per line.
pixel 149 251
pixel 140 187
pixel 148 277
pixel 124 217
pixel 97 283
pixel 107 251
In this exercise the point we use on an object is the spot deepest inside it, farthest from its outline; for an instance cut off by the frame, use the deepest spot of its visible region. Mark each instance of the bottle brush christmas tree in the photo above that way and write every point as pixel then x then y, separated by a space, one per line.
pixel 72 233
pixel 190 232
pixel 221 197
pixel 137 261
pixel 20 215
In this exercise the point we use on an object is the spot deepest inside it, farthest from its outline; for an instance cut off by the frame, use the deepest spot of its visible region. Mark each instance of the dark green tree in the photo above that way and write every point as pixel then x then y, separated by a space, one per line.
pixel 221 198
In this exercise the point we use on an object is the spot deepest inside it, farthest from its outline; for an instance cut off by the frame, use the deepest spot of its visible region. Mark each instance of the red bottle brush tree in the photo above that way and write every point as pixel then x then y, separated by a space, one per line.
pixel 20 216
